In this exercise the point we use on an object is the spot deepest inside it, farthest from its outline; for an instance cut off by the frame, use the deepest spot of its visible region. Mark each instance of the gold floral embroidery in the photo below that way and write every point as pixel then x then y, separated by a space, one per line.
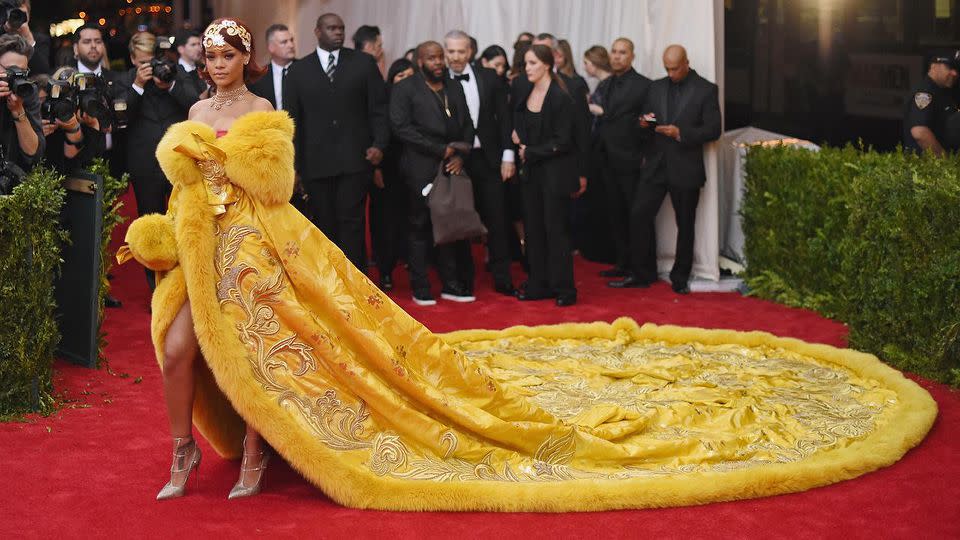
pixel 827 406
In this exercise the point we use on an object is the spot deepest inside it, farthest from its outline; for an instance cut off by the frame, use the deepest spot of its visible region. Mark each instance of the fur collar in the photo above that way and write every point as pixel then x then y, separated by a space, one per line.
pixel 259 149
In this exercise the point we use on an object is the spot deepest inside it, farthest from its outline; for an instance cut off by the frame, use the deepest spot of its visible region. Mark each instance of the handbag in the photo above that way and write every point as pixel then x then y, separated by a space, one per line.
pixel 452 212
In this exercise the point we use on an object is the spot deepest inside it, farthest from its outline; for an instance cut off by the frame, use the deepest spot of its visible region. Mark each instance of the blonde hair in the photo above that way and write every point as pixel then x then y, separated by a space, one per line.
pixel 143 42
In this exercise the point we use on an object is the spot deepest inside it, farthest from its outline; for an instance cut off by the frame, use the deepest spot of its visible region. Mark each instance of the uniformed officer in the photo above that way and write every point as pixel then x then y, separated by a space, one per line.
pixel 931 105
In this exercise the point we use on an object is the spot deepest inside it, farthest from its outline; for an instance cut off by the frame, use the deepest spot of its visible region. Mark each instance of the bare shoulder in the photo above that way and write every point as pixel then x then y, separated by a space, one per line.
pixel 261 104
pixel 197 108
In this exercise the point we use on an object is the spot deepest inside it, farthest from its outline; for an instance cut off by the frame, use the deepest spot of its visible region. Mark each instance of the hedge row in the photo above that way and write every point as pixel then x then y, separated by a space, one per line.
pixel 30 240
pixel 870 239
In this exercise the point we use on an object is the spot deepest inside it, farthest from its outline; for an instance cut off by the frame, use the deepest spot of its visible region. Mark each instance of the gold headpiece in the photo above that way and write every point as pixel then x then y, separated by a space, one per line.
pixel 213 38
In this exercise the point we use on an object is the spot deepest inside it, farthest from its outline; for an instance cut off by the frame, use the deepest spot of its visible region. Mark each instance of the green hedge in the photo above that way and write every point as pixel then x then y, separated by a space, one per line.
pixel 30 240
pixel 870 239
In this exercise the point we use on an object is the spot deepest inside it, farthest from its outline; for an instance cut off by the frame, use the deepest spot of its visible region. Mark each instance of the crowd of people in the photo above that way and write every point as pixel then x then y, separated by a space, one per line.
pixel 555 167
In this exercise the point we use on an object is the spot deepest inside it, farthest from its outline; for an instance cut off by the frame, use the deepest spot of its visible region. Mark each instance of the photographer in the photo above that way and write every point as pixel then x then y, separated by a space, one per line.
pixel 74 137
pixel 19 24
pixel 89 49
pixel 21 136
pixel 158 96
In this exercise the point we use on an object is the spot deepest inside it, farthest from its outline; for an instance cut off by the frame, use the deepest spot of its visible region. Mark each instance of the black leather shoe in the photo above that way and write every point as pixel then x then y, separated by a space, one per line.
pixel 386 283
pixel 525 296
pixel 112 302
pixel 566 300
pixel 680 288
pixel 629 282
pixel 505 289
pixel 616 271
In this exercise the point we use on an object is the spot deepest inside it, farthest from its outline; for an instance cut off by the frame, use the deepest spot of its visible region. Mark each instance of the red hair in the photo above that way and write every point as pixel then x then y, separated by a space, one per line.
pixel 252 70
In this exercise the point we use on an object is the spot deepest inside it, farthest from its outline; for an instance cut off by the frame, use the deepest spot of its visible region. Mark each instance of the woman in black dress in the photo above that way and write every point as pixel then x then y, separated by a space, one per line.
pixel 544 132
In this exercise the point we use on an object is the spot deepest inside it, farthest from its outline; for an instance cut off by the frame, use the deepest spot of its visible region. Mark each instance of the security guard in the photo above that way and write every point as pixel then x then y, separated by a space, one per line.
pixel 931 105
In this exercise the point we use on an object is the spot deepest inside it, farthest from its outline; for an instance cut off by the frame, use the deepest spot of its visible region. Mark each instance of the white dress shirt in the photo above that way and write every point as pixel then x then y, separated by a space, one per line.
pixel 277 71
pixel 325 56
pixel 187 65
pixel 472 93
pixel 81 68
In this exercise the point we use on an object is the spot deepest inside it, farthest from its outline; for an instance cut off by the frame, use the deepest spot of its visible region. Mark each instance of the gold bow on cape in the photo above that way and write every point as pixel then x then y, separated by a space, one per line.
pixel 210 160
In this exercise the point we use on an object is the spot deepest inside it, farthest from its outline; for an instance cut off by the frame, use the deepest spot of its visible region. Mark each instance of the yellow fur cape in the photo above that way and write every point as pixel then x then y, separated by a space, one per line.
pixel 261 161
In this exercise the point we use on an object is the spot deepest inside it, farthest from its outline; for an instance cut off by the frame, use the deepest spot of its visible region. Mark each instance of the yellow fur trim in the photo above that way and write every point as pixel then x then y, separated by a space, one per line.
pixel 259 147
pixel 177 167
pixel 197 240
pixel 152 243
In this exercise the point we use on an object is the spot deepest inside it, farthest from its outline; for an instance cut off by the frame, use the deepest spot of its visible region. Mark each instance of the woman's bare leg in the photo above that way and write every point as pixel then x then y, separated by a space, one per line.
pixel 179 353
pixel 254 459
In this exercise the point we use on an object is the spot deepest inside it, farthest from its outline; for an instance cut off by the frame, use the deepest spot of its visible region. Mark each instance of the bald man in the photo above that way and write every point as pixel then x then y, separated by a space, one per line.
pixel 623 147
pixel 686 109
pixel 338 103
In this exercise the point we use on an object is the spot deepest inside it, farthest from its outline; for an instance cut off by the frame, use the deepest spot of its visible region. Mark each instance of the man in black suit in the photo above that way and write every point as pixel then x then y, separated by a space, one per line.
pixel 686 108
pixel 338 103
pixel 622 145
pixel 430 116
pixel 283 51
pixel 491 160
pixel 153 105
pixel 190 53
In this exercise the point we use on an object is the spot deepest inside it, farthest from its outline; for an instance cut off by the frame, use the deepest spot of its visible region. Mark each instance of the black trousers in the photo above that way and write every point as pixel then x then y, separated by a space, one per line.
pixel 489 193
pixel 337 205
pixel 388 222
pixel 152 194
pixel 620 189
pixel 547 232
pixel 643 215
pixel 454 261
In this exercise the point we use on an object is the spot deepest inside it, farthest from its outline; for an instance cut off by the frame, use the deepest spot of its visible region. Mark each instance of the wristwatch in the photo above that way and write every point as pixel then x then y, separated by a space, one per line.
pixel 16 118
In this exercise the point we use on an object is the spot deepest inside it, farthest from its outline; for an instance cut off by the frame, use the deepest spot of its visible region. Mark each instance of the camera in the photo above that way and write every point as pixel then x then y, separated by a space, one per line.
pixel 10 174
pixel 11 15
pixel 87 93
pixel 61 101
pixel 20 84
pixel 163 67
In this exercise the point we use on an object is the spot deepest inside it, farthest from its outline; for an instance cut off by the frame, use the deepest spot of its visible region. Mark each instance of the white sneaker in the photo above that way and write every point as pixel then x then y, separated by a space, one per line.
pixel 424 301
pixel 458 297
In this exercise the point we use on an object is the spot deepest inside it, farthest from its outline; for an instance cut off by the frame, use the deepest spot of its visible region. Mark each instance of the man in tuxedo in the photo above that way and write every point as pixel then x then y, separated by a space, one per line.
pixel 686 108
pixel 430 116
pixel 622 145
pixel 337 100
pixel 153 105
pixel 283 51
pixel 491 160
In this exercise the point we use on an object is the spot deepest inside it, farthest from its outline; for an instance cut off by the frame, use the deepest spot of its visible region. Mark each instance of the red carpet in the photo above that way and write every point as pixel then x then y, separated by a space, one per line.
pixel 93 468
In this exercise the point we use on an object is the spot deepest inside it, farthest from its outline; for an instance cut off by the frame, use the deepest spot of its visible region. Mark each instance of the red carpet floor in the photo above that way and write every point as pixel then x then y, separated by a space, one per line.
pixel 93 468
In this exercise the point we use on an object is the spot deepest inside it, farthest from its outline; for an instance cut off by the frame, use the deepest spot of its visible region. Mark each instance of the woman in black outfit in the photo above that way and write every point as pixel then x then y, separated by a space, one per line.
pixel 544 132
pixel 388 198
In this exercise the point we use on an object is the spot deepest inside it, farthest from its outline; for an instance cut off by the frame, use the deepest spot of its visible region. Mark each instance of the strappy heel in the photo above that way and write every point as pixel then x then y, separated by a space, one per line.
pixel 186 458
pixel 239 490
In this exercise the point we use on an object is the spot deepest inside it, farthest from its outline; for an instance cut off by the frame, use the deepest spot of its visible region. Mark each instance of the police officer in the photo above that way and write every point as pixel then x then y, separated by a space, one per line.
pixel 931 105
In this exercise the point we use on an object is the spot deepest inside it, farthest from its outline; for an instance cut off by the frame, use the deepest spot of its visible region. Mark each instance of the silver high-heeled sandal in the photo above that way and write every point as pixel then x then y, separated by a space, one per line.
pixel 239 490
pixel 186 457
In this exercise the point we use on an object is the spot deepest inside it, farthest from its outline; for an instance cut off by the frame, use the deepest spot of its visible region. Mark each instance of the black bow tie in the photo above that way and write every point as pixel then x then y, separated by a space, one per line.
pixel 464 77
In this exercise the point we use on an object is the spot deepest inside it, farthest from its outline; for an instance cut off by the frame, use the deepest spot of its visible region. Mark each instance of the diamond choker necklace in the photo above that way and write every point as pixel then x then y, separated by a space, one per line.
pixel 226 99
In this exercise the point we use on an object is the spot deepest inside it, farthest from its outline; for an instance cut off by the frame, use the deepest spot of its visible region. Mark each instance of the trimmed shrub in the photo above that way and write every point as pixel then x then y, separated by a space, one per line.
pixel 867 238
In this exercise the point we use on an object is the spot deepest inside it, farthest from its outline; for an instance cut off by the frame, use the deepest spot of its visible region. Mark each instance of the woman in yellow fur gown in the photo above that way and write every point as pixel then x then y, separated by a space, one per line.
pixel 379 412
